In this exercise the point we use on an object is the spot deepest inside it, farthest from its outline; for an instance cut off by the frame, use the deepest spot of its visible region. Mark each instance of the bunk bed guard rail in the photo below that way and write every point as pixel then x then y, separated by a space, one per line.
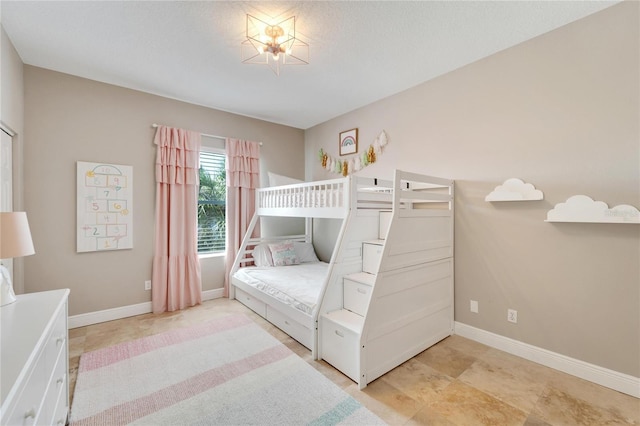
pixel 321 199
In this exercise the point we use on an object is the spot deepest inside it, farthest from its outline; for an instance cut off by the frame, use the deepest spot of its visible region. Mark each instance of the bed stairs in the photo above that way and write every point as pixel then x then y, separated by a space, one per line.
pixel 341 329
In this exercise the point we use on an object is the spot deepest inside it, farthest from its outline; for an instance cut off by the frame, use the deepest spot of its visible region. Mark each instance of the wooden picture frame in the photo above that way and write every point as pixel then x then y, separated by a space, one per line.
pixel 348 142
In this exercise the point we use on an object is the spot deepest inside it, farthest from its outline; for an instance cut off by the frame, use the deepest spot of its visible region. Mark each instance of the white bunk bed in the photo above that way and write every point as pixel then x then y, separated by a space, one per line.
pixel 387 293
pixel 322 199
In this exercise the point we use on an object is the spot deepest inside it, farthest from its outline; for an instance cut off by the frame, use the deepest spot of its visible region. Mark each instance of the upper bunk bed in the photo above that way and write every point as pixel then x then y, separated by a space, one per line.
pixel 291 296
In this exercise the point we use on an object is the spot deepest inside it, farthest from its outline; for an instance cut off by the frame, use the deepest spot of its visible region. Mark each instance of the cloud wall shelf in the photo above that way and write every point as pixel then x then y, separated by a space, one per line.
pixel 581 208
pixel 515 190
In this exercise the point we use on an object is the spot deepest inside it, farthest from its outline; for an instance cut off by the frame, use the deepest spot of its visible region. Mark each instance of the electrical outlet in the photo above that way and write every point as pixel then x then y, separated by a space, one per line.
pixel 512 315
pixel 147 285
pixel 473 306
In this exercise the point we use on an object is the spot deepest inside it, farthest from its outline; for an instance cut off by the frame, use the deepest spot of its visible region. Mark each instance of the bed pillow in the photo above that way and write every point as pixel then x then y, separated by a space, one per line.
pixel 305 252
pixel 283 254
pixel 279 180
pixel 262 255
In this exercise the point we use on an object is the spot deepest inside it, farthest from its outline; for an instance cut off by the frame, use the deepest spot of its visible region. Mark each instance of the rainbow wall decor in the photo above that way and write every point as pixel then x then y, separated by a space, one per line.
pixel 349 142
pixel 356 162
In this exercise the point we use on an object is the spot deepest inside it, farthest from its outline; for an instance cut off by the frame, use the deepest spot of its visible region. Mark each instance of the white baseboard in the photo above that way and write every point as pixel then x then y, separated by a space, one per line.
pixel 612 379
pixel 90 318
pixel 212 294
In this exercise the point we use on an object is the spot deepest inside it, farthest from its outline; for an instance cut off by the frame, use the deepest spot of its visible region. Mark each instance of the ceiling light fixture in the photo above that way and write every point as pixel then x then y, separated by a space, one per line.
pixel 274 45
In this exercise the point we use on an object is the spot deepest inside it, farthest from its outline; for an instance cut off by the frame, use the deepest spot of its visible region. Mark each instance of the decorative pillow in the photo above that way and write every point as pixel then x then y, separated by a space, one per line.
pixel 279 180
pixel 305 252
pixel 262 255
pixel 283 254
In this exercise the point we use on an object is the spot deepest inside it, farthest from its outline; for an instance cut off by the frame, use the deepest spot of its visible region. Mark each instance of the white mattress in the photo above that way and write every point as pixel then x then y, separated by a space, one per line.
pixel 295 285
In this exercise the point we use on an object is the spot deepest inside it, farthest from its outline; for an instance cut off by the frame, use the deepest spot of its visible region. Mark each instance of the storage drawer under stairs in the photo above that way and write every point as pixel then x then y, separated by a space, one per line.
pixel 357 292
pixel 340 341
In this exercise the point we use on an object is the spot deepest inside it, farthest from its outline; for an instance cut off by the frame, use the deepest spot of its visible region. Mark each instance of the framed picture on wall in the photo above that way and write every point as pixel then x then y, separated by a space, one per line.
pixel 349 142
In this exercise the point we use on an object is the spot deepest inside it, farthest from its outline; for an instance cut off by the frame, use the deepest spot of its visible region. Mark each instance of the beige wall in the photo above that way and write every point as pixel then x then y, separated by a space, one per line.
pixel 12 85
pixel 69 119
pixel 560 111
pixel 12 116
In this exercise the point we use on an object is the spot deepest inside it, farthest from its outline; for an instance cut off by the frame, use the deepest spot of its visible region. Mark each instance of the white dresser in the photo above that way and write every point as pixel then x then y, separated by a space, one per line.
pixel 34 361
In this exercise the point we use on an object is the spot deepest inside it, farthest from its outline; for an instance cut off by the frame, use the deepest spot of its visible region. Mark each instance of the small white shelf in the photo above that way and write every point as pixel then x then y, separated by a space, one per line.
pixel 581 208
pixel 514 189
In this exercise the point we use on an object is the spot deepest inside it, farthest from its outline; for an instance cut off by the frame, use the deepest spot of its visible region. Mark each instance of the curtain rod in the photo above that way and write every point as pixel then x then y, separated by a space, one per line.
pixel 154 125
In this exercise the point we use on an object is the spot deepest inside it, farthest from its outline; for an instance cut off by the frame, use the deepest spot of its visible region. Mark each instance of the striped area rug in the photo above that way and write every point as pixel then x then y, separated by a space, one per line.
pixel 226 371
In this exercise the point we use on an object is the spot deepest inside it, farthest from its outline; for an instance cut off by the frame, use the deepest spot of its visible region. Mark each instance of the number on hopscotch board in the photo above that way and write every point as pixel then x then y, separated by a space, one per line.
pixel 104 205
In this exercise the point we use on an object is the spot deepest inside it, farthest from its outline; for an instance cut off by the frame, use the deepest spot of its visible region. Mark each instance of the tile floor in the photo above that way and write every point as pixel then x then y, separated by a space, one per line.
pixel 455 382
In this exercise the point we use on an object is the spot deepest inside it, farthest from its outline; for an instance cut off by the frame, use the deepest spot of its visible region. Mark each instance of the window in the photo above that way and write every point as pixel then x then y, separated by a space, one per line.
pixel 212 224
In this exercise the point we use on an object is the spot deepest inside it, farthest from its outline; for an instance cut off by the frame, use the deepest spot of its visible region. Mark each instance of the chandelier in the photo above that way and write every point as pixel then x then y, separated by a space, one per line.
pixel 274 45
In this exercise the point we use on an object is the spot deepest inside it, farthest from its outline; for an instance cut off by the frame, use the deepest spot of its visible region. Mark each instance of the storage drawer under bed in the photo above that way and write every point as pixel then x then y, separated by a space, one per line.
pixel 251 302
pixel 293 328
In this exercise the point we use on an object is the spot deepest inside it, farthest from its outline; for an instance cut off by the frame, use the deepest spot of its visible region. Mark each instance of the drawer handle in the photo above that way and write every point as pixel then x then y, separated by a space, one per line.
pixel 286 322
pixel 61 422
pixel 61 379
pixel 361 291
pixel 30 413
pixel 59 340
pixel 339 333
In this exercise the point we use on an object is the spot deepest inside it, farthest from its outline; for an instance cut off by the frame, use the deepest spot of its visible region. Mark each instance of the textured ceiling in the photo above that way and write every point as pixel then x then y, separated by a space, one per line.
pixel 360 52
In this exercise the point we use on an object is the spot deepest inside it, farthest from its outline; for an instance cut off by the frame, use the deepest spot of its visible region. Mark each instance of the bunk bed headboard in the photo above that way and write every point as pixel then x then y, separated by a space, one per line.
pixel 245 255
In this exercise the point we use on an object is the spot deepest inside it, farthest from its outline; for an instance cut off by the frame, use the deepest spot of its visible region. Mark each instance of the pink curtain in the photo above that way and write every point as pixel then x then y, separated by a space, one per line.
pixel 243 177
pixel 176 282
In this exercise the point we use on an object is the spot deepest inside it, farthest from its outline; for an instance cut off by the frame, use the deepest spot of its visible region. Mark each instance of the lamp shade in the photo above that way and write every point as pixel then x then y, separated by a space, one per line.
pixel 15 236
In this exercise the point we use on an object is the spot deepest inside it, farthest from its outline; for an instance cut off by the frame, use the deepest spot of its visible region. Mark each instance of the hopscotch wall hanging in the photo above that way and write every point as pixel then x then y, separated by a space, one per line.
pixel 105 207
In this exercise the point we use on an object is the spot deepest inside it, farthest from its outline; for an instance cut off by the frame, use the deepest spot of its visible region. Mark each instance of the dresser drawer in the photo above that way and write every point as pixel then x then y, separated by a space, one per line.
pixel 60 407
pixel 27 404
pixel 356 296
pixel 56 401
pixel 251 302
pixel 35 363
pixel 61 410
pixel 371 255
pixel 57 340
pixel 293 328
pixel 56 390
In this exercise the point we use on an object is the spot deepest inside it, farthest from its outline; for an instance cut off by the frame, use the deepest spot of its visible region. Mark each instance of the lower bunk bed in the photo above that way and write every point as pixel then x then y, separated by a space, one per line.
pixel 286 295
pixel 290 303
